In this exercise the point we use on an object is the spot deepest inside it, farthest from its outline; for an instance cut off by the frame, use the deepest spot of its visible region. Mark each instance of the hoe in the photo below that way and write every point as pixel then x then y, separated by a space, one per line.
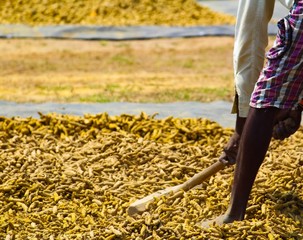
pixel 140 205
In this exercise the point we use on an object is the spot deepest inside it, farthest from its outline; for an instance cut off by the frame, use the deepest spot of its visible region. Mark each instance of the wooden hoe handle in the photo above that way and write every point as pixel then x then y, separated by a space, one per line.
pixel 141 204
pixel 202 176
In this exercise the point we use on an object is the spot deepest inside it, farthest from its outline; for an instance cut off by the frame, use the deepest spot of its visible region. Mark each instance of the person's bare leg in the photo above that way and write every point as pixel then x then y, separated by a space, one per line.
pixel 253 147
pixel 254 143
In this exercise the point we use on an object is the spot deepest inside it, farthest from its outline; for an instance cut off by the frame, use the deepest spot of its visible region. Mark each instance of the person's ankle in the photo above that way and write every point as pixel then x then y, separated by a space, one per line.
pixel 231 218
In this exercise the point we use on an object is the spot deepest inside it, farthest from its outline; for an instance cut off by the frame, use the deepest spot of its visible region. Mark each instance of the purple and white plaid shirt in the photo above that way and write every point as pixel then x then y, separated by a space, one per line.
pixel 281 81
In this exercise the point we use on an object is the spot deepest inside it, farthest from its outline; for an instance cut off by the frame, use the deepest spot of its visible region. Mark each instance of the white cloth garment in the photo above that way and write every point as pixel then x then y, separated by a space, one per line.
pixel 287 3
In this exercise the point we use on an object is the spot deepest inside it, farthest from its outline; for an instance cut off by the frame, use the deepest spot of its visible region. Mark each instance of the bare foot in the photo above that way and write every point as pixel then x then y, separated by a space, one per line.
pixel 217 221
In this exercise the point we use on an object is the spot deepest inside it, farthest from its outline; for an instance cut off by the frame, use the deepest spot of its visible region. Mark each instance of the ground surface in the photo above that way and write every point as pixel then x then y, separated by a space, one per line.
pixel 161 70
pixel 72 178
pixel 157 70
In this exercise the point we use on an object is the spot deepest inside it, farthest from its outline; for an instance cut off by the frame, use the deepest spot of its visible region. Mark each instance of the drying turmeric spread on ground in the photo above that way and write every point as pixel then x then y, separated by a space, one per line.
pixel 66 177
pixel 110 12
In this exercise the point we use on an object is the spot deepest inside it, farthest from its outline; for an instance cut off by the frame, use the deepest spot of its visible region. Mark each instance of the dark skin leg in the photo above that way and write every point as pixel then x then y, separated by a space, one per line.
pixel 254 144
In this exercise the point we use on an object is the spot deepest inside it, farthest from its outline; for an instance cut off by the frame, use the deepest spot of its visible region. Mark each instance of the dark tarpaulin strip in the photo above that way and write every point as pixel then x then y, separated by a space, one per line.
pixel 115 33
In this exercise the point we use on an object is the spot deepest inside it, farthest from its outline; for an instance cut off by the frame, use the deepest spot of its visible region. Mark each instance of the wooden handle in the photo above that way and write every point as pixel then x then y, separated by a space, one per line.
pixel 141 204
pixel 202 176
